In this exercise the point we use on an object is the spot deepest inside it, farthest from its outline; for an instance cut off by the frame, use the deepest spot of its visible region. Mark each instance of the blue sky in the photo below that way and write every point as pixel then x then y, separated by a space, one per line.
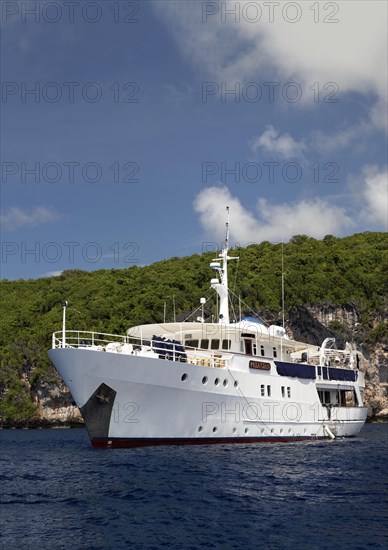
pixel 148 118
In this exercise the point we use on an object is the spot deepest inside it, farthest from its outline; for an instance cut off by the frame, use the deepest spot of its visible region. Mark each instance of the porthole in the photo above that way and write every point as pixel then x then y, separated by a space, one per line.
pixel 234 430
pixel 225 383
pixel 184 377
pixel 200 428
pixel 204 380
pixel 272 430
pixel 305 431
pixel 262 430
pixel 215 429
pixel 217 381
pixel 246 430
pixel 235 383
pixel 289 430
pixel 281 430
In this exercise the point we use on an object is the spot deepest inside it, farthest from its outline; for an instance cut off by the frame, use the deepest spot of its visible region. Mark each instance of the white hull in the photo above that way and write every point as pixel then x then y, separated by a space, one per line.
pixel 130 400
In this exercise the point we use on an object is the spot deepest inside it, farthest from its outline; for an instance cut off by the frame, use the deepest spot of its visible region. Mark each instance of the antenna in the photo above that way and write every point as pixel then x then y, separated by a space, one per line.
pixel 64 305
pixel 227 229
pixel 282 282
pixel 281 341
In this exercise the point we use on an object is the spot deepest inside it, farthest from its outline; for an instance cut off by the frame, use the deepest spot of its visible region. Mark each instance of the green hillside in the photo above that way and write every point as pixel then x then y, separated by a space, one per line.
pixel 333 270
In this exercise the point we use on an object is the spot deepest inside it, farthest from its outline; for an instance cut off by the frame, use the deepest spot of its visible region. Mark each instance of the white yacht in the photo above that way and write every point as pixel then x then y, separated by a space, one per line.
pixel 210 382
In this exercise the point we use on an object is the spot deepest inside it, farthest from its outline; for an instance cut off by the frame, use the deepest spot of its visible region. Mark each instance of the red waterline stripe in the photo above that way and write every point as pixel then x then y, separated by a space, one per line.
pixel 121 443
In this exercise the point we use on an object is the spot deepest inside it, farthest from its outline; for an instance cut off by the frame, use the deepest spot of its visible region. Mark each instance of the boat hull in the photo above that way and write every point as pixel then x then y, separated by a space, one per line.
pixel 129 401
pixel 119 443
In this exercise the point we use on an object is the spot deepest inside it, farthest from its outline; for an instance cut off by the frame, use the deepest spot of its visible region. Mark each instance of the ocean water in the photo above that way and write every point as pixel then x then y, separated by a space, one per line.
pixel 59 493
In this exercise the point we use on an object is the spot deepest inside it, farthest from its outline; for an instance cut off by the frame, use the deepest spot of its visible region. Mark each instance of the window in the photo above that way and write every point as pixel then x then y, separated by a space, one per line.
pixel 191 343
pixel 184 377
pixel 254 349
pixel 226 344
pixel 225 383
pixel 269 391
pixel 262 390
pixel 235 383
pixel 275 353
pixel 288 391
pixel 248 347
pixel 204 344
pixel 215 344
pixel 216 381
pixel 283 391
pixel 204 380
pixel 262 351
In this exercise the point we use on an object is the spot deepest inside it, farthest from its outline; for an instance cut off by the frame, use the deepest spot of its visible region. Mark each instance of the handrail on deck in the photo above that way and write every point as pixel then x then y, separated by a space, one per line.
pixel 81 338
pixel 138 345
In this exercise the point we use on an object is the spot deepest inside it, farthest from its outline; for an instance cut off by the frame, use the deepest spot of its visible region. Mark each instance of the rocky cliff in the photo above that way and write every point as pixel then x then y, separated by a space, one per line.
pixel 55 405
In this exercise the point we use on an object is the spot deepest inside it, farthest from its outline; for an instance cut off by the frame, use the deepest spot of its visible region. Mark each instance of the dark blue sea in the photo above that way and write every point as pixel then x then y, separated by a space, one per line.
pixel 59 493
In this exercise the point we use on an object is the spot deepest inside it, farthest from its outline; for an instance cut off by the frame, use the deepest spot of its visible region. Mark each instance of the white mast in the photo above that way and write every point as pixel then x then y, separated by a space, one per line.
pixel 221 285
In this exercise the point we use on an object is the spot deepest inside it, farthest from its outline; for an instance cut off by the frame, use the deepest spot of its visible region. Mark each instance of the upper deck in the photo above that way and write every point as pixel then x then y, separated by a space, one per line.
pixel 215 346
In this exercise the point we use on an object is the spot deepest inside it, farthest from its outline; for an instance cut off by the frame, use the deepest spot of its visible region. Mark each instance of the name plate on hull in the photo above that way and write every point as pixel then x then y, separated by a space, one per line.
pixel 260 365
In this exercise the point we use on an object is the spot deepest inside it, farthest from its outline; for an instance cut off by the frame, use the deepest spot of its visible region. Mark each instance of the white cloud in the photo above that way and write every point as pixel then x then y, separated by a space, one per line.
pixel 345 46
pixel 178 95
pixel 375 195
pixel 51 274
pixel 328 143
pixel 379 113
pixel 211 204
pixel 286 147
pixel 18 218
pixel 281 145
pixel 316 217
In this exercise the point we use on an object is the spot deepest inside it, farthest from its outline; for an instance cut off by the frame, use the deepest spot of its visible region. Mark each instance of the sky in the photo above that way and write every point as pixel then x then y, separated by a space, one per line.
pixel 127 127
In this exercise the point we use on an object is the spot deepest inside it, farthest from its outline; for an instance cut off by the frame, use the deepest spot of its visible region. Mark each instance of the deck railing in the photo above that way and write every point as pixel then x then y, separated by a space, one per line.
pixel 132 345
pixel 87 339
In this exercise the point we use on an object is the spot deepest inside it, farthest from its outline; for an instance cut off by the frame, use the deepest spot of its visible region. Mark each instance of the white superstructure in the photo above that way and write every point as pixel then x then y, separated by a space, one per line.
pixel 199 383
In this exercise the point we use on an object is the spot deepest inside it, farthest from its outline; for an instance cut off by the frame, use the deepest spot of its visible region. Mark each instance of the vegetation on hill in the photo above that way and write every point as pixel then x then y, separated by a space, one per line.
pixel 333 270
